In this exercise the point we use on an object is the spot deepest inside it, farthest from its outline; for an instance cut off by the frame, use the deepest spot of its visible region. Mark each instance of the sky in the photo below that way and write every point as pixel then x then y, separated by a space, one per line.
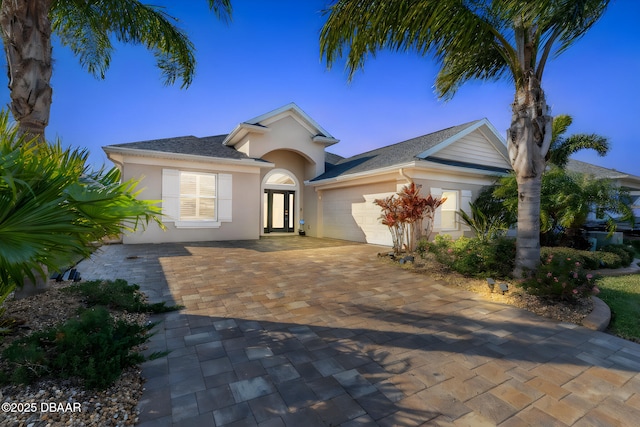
pixel 268 56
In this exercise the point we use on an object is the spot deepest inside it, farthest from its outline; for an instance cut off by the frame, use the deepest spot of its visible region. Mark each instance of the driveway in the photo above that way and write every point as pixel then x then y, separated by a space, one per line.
pixel 302 332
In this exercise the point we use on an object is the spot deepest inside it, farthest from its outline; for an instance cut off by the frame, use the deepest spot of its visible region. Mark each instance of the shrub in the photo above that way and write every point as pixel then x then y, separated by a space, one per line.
pixel 636 246
pixel 422 247
pixel 474 257
pixel 625 252
pixel 560 278
pixel 405 213
pixel 609 260
pixel 589 260
pixel 93 347
pixel 614 257
pixel 118 295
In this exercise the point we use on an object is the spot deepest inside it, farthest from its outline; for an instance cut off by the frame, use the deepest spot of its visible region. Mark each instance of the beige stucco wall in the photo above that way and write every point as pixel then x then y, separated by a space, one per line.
pixel 286 133
pixel 246 208
pixel 348 212
pixel 466 193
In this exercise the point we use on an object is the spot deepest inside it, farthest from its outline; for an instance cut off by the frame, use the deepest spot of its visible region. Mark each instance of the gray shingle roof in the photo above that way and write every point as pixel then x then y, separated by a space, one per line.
pixel 593 170
pixel 210 146
pixel 390 155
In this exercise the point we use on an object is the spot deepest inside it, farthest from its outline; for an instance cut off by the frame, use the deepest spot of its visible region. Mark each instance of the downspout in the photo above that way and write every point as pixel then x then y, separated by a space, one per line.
pixel 403 175
pixel 319 214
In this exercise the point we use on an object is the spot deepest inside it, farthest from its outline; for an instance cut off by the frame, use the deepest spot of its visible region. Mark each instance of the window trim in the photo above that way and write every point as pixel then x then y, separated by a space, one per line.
pixel 171 199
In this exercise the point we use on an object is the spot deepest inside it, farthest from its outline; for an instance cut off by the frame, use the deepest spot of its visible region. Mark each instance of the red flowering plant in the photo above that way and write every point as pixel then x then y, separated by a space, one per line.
pixel 561 278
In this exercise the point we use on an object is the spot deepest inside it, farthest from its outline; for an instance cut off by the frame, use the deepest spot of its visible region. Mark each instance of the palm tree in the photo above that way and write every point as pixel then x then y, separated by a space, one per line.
pixel 88 28
pixel 479 39
pixel 562 148
pixel 53 209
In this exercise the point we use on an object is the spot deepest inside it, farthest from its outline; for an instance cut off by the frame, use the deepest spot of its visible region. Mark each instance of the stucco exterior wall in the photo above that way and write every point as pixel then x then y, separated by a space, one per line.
pixel 246 209
pixel 350 214
pixel 466 193
pixel 286 133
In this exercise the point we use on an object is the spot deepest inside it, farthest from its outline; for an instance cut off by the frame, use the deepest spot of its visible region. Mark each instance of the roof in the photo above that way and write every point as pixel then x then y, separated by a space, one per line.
pixel 210 146
pixel 395 154
pixel 595 171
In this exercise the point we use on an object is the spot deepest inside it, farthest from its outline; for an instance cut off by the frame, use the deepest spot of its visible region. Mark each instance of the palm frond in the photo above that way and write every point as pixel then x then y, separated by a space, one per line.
pixel 486 40
pixel 51 211
pixel 87 27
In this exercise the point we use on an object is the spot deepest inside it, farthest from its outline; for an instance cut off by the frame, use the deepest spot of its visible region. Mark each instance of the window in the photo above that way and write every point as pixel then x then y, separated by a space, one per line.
pixel 279 178
pixel 448 209
pixel 196 199
pixel 197 196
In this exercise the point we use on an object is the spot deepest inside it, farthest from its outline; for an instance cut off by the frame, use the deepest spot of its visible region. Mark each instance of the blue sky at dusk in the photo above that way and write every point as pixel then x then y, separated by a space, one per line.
pixel 268 56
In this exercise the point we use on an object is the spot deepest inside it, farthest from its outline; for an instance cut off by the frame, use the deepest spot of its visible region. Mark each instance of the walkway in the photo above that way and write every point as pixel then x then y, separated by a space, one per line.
pixel 308 332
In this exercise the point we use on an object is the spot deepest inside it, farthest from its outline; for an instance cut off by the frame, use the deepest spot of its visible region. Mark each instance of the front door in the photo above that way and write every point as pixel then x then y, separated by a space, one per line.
pixel 279 211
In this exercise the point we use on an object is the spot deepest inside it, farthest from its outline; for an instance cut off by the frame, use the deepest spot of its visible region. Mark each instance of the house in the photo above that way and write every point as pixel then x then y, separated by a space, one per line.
pixel 628 182
pixel 275 174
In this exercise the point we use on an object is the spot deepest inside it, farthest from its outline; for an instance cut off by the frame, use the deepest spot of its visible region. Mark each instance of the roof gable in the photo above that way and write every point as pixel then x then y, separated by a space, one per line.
pixel 423 149
pixel 260 124
pixel 480 139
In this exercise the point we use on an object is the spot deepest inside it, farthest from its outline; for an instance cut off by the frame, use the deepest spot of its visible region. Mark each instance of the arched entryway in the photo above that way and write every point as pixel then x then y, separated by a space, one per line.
pixel 280 201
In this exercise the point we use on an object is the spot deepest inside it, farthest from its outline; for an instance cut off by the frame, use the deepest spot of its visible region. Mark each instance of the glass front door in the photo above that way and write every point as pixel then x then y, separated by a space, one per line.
pixel 278 211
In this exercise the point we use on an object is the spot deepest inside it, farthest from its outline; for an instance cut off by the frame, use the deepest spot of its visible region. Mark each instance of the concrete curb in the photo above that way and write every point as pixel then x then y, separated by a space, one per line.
pixel 599 318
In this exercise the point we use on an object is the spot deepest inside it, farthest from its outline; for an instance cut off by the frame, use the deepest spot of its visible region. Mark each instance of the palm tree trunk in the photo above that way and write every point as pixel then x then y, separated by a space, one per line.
pixel 26 34
pixel 528 143
pixel 528 239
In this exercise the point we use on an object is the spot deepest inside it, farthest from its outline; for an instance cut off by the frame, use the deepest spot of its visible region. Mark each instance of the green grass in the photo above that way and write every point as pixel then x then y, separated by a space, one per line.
pixel 622 295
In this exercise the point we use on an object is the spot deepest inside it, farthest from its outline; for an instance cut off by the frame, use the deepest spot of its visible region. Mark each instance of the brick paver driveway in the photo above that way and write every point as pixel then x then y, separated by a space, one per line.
pixel 312 332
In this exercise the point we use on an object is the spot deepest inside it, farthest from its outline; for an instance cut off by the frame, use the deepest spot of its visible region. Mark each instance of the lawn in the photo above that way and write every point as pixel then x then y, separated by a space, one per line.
pixel 622 295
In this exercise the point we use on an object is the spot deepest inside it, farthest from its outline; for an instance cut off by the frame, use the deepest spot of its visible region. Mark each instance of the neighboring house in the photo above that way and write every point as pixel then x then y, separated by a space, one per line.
pixel 273 174
pixel 626 181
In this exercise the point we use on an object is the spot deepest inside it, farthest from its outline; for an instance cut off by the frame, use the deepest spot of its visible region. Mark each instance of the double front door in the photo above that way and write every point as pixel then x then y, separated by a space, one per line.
pixel 279 211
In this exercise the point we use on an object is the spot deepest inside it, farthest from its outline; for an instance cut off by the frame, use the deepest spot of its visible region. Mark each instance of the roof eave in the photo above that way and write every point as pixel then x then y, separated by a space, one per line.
pixel 242 130
pixel 109 149
pixel 419 164
pixel 292 106
pixel 351 176
pixel 326 141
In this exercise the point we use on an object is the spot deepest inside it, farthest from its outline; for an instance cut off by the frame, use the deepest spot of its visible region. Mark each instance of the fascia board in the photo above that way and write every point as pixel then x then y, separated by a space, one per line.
pixel 293 108
pixel 241 130
pixel 179 156
pixel 418 167
pixel 325 140
pixel 353 176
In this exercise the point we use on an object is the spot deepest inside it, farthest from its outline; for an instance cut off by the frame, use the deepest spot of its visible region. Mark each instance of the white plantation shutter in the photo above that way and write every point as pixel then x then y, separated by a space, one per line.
pixel 192 199
pixel 448 210
pixel 170 195
pixel 225 191
pixel 465 199
pixel 197 196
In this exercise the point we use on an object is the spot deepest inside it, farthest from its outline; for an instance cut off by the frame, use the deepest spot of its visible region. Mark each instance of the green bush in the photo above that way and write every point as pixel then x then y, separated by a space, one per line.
pixel 636 246
pixel 474 257
pixel 118 295
pixel 93 347
pixel 625 252
pixel 422 247
pixel 560 278
pixel 589 260
pixel 612 256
